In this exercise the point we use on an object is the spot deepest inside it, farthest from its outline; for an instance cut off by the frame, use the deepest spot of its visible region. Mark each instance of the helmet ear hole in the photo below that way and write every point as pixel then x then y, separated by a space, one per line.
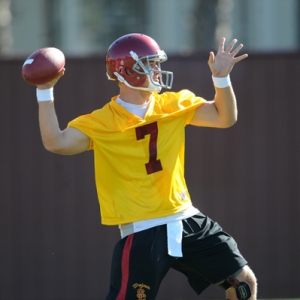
pixel 129 71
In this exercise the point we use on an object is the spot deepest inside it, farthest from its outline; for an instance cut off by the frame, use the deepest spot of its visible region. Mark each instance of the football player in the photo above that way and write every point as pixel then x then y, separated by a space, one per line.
pixel 138 139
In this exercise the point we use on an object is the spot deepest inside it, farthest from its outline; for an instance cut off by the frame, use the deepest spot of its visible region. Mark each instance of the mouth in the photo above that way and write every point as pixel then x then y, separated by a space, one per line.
pixel 155 78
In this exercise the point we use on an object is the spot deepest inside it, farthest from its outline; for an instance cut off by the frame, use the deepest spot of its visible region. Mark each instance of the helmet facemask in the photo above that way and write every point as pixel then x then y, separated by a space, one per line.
pixel 144 68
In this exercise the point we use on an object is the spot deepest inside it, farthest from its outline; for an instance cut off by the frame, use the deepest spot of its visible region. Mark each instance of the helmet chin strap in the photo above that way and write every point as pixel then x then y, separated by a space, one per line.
pixel 151 87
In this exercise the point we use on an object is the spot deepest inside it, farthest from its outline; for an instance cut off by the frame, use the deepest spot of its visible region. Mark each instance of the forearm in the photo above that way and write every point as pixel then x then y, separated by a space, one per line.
pixel 225 103
pixel 49 127
pixel 68 141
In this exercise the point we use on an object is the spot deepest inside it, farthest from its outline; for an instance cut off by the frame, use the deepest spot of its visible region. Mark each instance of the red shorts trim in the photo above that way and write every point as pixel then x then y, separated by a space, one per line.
pixel 125 267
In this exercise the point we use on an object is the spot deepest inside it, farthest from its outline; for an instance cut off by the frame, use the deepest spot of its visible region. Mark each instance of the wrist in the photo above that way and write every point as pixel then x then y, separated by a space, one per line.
pixel 221 82
pixel 44 95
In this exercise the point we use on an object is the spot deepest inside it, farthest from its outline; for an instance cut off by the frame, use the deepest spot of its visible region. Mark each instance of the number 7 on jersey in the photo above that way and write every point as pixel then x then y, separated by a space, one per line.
pixel 154 164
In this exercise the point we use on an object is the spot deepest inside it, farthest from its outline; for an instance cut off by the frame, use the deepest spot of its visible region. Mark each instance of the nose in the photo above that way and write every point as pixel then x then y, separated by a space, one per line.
pixel 156 67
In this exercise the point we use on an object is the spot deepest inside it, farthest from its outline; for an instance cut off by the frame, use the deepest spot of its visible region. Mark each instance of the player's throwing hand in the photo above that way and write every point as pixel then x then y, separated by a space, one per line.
pixel 222 64
pixel 51 83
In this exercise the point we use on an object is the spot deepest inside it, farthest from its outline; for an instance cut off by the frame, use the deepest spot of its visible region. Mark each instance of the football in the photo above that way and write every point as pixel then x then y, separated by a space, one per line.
pixel 43 65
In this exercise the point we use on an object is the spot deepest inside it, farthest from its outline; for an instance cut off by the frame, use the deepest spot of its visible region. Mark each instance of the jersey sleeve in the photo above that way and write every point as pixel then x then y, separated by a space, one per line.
pixel 189 116
pixel 86 125
pixel 183 102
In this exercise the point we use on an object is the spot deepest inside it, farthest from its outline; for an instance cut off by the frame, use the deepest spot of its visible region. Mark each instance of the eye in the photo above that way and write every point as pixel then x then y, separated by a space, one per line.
pixel 153 64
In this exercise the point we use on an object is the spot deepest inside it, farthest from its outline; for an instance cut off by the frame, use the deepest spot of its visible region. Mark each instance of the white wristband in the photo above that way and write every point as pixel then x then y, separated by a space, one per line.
pixel 221 82
pixel 44 95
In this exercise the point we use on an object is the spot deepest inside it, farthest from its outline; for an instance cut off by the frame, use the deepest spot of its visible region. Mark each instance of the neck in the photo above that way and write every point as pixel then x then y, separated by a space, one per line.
pixel 134 96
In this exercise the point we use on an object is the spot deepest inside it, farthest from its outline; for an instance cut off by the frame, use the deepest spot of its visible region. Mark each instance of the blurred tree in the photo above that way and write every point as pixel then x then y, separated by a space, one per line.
pixel 89 26
pixel 52 21
pixel 6 39
pixel 107 20
pixel 298 26
pixel 205 29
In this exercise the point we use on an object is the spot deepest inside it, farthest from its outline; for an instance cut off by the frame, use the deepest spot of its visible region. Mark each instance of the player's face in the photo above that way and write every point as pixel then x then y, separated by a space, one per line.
pixel 155 75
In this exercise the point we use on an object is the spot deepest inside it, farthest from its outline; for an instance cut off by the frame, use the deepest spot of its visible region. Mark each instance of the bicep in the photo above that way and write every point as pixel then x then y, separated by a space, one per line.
pixel 74 141
pixel 206 115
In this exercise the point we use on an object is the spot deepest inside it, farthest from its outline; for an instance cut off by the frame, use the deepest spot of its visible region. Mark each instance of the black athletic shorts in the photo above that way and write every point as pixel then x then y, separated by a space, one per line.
pixel 141 261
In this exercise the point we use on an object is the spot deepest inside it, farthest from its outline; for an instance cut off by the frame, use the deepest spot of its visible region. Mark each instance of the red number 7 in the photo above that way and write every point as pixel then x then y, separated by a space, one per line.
pixel 154 164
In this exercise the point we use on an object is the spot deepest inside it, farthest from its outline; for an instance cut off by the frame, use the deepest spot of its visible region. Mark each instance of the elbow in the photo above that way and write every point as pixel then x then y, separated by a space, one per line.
pixel 52 147
pixel 232 119
pixel 228 123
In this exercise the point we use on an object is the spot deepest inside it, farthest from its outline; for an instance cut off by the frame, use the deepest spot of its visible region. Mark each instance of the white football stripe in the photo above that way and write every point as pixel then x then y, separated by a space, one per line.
pixel 28 62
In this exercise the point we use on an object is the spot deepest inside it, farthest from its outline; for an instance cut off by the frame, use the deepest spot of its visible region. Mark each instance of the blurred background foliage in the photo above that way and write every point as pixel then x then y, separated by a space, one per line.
pixel 88 27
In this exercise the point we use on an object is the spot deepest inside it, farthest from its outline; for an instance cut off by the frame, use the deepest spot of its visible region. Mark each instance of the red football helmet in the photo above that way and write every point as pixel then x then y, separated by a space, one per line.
pixel 134 57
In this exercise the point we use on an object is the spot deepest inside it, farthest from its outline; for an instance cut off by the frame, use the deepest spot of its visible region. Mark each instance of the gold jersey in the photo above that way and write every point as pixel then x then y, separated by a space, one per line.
pixel 139 162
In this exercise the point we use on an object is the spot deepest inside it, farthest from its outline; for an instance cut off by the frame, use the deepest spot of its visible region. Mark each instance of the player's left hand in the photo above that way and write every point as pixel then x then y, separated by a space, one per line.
pixel 222 64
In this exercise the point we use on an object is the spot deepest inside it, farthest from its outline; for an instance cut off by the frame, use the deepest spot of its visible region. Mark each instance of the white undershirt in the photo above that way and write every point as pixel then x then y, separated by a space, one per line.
pixel 173 222
pixel 136 109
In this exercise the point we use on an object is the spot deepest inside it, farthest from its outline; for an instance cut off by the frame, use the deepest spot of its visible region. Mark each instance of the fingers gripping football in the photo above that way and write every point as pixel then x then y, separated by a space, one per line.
pixel 44 67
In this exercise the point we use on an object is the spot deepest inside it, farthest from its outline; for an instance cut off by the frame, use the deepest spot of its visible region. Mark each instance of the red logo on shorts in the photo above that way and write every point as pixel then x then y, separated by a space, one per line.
pixel 141 290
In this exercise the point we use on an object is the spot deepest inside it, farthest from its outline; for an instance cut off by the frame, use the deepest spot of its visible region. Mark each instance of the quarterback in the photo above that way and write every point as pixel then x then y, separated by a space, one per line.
pixel 138 140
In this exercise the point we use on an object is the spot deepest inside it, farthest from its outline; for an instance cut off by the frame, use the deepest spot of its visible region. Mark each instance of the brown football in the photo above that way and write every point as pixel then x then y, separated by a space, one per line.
pixel 43 65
